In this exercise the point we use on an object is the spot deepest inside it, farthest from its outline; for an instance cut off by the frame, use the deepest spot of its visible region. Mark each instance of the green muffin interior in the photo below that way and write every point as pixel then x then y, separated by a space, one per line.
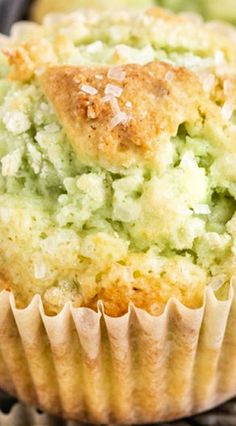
pixel 63 223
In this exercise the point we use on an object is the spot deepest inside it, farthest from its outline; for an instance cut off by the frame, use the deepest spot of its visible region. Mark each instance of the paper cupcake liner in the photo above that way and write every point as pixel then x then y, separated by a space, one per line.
pixel 84 365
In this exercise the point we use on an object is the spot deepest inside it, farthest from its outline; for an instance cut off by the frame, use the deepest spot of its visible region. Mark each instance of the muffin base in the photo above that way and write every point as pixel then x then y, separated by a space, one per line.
pixel 84 365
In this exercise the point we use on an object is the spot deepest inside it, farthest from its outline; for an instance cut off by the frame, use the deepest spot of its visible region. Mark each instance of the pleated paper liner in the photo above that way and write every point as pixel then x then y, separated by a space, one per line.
pixel 136 368
pixel 84 365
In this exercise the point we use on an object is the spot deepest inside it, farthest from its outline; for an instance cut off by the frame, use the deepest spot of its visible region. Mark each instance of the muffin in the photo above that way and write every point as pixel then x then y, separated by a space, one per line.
pixel 117 215
pixel 41 7
pixel 117 177
pixel 217 9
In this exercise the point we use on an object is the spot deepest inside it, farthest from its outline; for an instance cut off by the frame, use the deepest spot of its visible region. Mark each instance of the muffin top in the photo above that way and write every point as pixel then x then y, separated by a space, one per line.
pixel 117 148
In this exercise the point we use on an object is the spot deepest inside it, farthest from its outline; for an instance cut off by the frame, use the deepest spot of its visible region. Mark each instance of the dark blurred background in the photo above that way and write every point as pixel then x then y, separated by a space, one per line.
pixel 11 11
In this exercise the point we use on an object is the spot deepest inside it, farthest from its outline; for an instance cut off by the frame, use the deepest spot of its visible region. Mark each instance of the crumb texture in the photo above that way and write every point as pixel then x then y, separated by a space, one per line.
pixel 117 160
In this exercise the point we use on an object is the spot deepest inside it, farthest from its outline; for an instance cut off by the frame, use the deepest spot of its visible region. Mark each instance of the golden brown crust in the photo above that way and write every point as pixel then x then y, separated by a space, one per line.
pixel 27 58
pixel 166 15
pixel 156 98
pixel 116 298
pixel 146 293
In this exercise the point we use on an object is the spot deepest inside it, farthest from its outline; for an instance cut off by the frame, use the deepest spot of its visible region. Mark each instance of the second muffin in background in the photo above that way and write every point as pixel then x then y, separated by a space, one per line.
pixel 41 8
pixel 209 9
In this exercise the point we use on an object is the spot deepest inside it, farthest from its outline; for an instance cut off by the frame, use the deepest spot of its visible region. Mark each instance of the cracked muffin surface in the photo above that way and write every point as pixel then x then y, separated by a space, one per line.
pixel 117 160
